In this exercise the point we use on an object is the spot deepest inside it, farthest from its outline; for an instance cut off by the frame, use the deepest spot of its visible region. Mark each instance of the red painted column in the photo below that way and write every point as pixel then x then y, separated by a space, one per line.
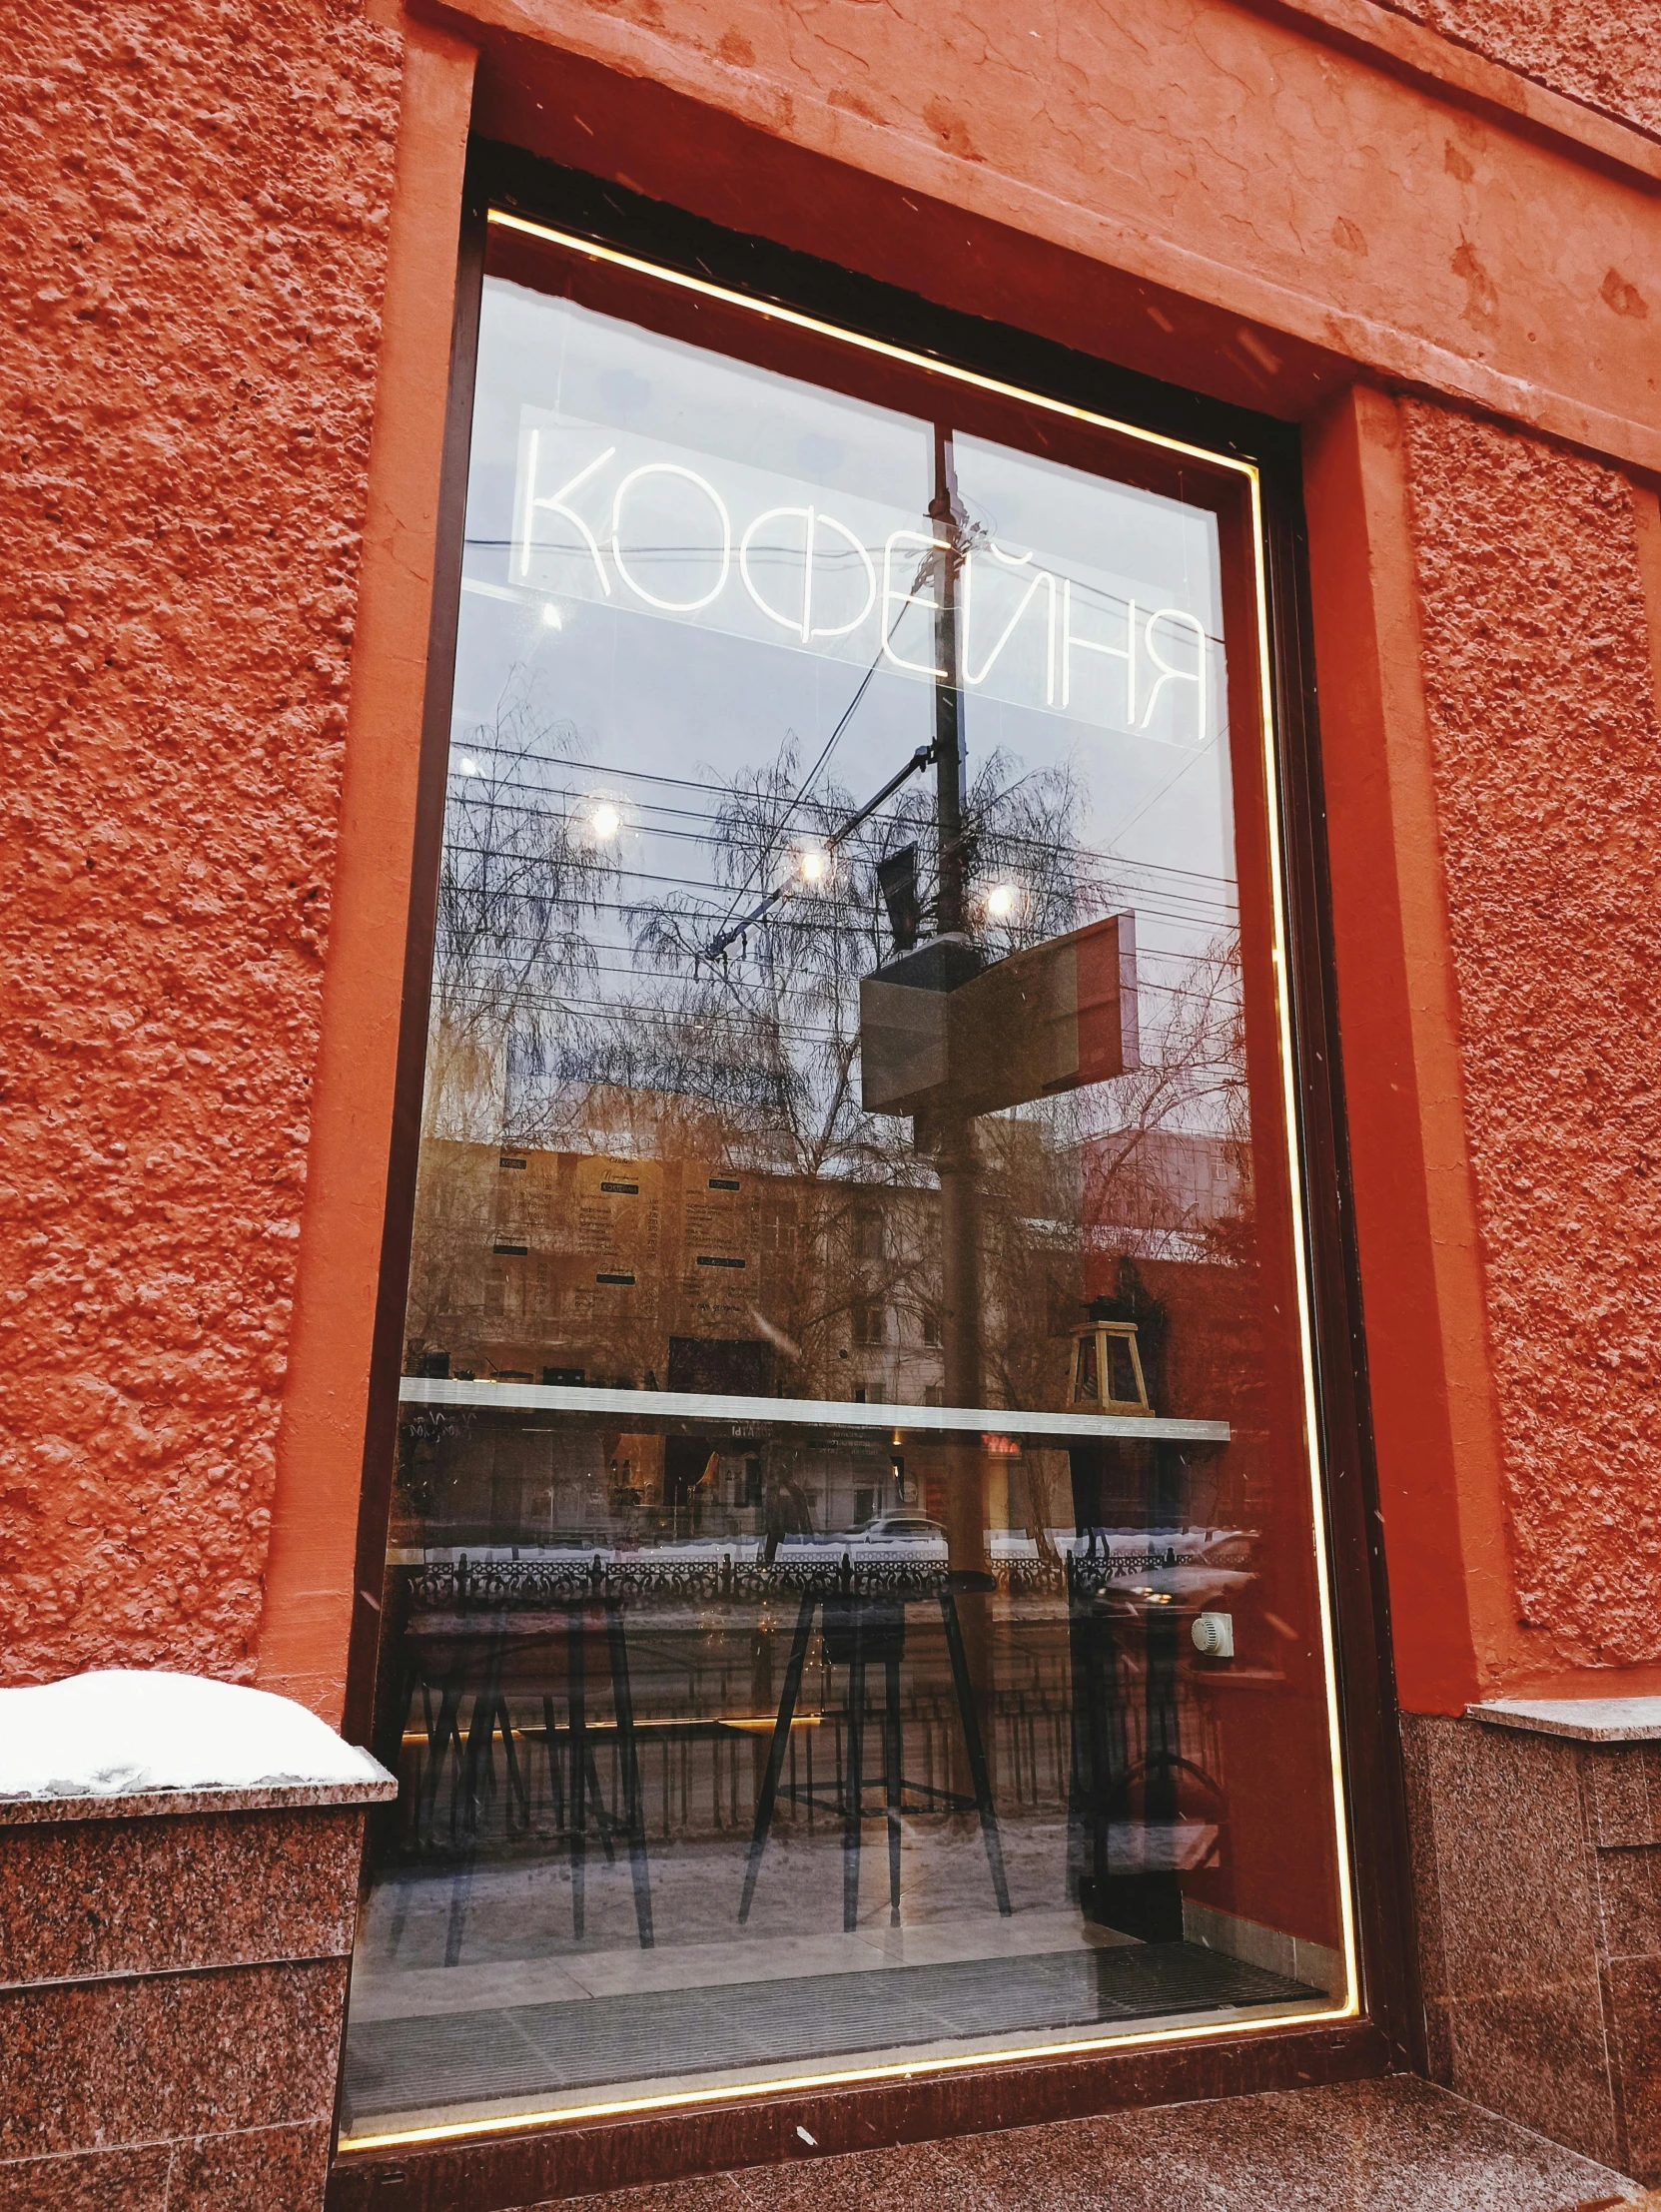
pixel 309 1574
pixel 1434 1417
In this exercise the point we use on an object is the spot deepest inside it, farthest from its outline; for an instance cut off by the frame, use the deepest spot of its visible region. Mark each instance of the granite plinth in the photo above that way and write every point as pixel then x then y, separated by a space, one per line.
pixel 265 2169
pixel 88 1898
pixel 1398 2145
pixel 174 1961
pixel 1536 1847
pixel 160 2057
pixel 138 1804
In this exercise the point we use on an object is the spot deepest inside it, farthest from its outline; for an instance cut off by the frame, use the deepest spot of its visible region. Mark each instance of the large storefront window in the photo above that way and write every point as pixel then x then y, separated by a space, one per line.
pixel 855 1597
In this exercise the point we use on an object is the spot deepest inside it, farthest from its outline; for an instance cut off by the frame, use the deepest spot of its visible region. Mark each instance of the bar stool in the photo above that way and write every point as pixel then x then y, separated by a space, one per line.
pixel 866 1626
pixel 534 1650
pixel 461 1661
pixel 586 1622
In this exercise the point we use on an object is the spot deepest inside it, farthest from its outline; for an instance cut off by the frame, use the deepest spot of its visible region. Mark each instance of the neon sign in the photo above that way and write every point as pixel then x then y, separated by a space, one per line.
pixel 864 581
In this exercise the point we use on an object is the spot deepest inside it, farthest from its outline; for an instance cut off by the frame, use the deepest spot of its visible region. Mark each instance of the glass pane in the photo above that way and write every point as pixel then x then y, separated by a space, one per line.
pixel 854 1592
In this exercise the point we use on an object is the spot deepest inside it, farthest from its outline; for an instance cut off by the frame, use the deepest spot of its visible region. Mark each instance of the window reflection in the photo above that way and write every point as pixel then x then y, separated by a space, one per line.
pixel 852 1594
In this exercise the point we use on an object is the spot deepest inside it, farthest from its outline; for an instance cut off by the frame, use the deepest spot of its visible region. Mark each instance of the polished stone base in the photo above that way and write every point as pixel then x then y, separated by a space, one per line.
pixel 1537 1835
pixel 173 1982
pixel 1397 2145
pixel 263 2169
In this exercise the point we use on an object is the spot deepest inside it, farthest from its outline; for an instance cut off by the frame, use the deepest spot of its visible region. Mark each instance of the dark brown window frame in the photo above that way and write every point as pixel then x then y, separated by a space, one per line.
pixel 553 2159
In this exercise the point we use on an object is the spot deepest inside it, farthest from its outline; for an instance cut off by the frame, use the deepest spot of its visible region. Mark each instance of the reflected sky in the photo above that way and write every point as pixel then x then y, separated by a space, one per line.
pixel 636 585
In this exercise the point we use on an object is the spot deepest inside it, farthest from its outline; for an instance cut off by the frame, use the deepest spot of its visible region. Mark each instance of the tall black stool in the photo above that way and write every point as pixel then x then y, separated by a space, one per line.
pixel 532 1620
pixel 585 1621
pixel 865 1626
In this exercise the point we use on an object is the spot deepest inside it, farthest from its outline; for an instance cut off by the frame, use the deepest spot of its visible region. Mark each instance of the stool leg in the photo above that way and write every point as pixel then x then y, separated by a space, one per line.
pixel 490 1712
pixel 634 1811
pixel 604 1821
pixel 892 1768
pixel 974 1748
pixel 438 1741
pixel 481 1734
pixel 1108 1728
pixel 1091 1763
pixel 515 1781
pixel 409 1681
pixel 776 1750
pixel 854 1785
pixel 460 1889
pixel 556 1789
pixel 575 1625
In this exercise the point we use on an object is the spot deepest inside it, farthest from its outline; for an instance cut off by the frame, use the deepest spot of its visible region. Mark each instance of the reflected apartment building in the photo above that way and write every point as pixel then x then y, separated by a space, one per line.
pixel 577 1270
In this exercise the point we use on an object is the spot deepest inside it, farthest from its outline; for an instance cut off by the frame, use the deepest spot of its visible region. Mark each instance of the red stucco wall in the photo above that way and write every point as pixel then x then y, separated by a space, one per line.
pixel 1607 55
pixel 1274 161
pixel 1544 736
pixel 195 203
pixel 196 206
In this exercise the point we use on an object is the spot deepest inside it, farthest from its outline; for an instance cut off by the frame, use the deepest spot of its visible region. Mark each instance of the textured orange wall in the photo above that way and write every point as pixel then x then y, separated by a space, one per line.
pixel 1241 153
pixel 305 1635
pixel 1604 52
pixel 1544 737
pixel 195 204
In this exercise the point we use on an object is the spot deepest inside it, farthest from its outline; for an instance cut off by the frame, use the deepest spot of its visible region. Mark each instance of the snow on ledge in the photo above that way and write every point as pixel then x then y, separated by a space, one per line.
pixel 125 1733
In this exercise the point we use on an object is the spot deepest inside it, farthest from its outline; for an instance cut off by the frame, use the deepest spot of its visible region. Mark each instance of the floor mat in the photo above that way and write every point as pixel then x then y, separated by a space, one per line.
pixel 471 2058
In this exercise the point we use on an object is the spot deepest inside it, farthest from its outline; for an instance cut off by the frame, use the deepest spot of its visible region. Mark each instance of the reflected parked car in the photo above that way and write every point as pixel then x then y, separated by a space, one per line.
pixel 900 1527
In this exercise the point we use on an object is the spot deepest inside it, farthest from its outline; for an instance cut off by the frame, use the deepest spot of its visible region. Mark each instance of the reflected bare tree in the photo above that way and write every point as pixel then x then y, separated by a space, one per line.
pixel 1094 1174
pixel 521 881
pixel 520 886
pixel 752 1060
pixel 783 1010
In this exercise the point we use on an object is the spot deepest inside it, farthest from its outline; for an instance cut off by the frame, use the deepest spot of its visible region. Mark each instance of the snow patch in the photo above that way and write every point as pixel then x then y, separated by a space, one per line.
pixel 123 1731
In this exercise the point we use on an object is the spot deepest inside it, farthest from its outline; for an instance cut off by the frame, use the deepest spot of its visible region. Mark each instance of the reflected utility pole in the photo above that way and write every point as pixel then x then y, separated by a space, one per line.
pixel 953 1139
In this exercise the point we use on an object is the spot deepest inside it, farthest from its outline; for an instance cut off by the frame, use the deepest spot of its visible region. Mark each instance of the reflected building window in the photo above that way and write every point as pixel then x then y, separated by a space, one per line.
pixel 869 1322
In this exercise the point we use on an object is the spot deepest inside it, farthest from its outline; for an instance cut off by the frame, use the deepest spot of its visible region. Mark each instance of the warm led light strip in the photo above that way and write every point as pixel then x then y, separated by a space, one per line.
pixel 770 312
pixel 1351 2008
